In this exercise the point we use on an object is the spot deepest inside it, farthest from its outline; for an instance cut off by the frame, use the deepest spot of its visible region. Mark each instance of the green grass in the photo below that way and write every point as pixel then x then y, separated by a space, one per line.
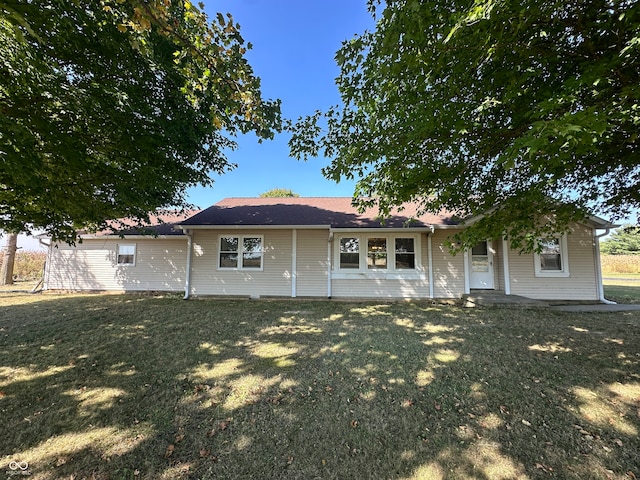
pixel 627 293
pixel 130 387
pixel 622 276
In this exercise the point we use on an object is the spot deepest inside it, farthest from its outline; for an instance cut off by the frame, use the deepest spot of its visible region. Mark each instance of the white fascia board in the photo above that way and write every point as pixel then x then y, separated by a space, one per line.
pixel 133 237
pixel 254 227
pixel 426 229
pixel 449 227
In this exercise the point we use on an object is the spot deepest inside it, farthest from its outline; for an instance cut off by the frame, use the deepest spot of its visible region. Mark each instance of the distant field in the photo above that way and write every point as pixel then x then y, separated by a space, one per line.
pixel 620 264
pixel 28 266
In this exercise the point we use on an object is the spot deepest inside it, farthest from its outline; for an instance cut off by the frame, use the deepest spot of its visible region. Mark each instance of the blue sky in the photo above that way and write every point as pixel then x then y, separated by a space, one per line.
pixel 294 45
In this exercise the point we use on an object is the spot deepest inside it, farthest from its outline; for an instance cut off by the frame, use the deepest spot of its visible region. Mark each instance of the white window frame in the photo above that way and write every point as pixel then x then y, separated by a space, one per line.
pixel 118 255
pixel 390 271
pixel 564 259
pixel 241 252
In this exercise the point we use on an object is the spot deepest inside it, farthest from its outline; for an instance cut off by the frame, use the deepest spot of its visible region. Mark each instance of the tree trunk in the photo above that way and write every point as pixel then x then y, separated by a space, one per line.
pixel 6 275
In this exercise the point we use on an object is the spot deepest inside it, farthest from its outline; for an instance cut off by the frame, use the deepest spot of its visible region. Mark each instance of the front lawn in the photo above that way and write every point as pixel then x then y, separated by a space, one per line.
pixel 140 387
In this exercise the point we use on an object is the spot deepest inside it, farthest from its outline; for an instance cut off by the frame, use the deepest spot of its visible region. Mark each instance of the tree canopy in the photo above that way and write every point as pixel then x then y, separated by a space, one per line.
pixel 624 241
pixel 112 108
pixel 521 114
pixel 279 193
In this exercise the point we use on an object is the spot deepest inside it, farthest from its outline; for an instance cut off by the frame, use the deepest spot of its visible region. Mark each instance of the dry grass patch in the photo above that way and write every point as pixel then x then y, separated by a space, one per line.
pixel 130 387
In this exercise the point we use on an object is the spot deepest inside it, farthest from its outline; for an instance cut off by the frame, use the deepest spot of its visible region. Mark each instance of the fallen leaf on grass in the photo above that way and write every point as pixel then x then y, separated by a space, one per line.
pixel 618 442
pixel 169 451
pixel 354 423
pixel 205 452
pixel 526 422
pixel 544 468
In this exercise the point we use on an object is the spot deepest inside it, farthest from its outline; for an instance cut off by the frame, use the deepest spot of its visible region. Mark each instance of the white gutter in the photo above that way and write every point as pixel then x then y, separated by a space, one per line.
pixel 294 262
pixel 430 261
pixel 505 266
pixel 132 237
pixel 598 266
pixel 187 284
pixel 383 229
pixel 42 281
pixel 253 227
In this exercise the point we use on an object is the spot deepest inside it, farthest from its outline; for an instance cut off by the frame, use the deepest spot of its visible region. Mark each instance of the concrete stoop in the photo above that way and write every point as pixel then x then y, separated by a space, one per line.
pixel 492 298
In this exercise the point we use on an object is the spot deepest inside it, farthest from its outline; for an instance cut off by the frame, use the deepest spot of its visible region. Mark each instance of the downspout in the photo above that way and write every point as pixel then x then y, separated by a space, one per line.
pixel 430 260
pixel 41 283
pixel 187 284
pixel 599 267
pixel 329 266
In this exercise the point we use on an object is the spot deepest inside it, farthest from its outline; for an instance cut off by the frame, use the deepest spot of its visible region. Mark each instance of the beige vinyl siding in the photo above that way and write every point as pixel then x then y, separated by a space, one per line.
pixel 274 279
pixel 91 265
pixel 312 263
pixel 579 285
pixel 448 270
pixel 380 288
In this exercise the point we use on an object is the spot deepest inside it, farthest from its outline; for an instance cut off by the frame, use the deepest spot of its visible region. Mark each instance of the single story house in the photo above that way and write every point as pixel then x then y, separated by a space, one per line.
pixel 323 247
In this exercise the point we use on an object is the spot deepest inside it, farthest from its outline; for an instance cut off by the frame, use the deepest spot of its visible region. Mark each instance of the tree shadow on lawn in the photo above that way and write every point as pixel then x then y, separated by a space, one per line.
pixel 142 387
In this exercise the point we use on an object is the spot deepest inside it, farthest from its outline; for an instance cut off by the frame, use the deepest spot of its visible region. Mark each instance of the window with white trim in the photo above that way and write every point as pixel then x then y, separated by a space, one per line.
pixel 377 253
pixel 126 254
pixel 553 259
pixel 350 253
pixel 240 252
pixel 405 254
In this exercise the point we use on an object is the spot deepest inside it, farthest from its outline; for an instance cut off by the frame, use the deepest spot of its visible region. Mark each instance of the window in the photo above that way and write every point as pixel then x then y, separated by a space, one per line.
pixel 376 253
pixel 240 252
pixel 126 255
pixel 552 260
pixel 405 254
pixel 350 252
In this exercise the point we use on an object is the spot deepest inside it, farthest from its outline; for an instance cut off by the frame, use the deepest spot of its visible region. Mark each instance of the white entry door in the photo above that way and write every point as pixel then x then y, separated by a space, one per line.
pixel 481 266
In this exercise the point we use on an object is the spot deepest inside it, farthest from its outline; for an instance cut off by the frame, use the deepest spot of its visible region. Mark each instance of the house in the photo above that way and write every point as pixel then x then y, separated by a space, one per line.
pixel 323 247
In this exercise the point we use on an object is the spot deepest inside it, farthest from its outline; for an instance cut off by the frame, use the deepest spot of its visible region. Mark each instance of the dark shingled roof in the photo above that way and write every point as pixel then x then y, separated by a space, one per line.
pixel 337 212
pixel 162 223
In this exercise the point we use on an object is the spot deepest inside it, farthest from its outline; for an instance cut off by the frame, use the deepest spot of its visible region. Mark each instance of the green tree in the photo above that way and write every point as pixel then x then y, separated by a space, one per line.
pixel 279 193
pixel 523 115
pixel 112 108
pixel 624 241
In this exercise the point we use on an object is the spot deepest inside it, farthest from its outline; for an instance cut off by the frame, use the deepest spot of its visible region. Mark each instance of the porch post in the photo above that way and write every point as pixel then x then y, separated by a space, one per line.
pixel 329 293
pixel 505 265
pixel 467 288
pixel 294 262
pixel 430 262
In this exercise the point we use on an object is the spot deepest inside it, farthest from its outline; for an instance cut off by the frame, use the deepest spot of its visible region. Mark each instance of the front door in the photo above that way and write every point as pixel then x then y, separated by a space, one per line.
pixel 481 266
